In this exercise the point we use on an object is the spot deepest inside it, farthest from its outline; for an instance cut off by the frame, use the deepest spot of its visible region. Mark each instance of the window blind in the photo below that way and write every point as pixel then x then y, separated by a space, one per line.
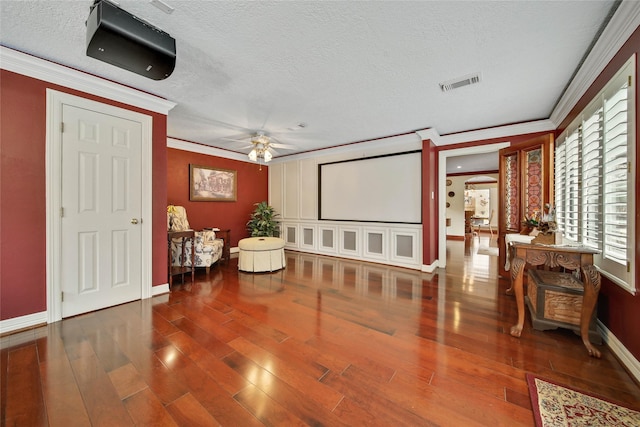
pixel 591 180
pixel 572 186
pixel 560 180
pixel 615 176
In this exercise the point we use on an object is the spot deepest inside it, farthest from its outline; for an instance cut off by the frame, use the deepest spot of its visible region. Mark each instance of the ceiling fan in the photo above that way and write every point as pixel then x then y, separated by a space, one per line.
pixel 262 147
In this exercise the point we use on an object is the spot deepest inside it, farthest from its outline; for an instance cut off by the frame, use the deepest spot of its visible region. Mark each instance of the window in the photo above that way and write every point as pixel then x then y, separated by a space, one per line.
pixel 594 178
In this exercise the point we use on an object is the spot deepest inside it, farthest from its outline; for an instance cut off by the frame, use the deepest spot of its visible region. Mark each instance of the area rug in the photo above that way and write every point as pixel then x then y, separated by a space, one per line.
pixel 486 250
pixel 557 405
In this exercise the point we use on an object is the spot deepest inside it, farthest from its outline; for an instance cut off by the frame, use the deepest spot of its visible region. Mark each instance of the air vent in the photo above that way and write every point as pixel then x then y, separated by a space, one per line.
pixel 460 82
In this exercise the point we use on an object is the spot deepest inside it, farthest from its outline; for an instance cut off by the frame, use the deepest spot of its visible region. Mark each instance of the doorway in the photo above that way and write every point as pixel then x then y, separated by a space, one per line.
pixel 443 157
pixel 106 266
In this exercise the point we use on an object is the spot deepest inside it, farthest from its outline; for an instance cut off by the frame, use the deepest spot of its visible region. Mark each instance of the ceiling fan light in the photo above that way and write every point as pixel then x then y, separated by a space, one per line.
pixel 267 156
pixel 253 155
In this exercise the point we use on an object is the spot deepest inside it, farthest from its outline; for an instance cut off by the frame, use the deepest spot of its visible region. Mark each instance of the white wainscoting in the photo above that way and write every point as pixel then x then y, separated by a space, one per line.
pixel 392 244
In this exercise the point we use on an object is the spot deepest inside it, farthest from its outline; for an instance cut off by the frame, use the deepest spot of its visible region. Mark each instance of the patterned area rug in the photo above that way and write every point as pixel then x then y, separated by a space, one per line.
pixel 556 405
pixel 486 250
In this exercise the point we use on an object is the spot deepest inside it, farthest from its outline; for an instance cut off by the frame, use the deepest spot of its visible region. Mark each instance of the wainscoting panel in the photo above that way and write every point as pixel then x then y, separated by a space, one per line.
pixel 350 241
pixel 308 237
pixel 275 187
pixel 392 244
pixel 308 199
pixel 328 239
pixel 405 246
pixel 290 235
pixel 291 199
pixel 375 243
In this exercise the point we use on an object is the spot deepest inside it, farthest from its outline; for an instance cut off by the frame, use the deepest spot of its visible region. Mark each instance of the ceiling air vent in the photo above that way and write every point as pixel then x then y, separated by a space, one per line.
pixel 460 82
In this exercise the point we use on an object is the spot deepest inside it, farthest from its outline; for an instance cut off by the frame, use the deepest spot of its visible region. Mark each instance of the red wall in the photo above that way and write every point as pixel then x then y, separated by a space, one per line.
pixel 430 236
pixel 253 187
pixel 23 193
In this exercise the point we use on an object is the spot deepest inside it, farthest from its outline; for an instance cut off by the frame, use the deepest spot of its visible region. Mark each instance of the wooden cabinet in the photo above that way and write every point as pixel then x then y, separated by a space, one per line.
pixel 579 259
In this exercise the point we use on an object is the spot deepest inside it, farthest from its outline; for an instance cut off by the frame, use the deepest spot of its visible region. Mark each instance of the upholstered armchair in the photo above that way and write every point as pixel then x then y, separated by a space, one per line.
pixel 208 249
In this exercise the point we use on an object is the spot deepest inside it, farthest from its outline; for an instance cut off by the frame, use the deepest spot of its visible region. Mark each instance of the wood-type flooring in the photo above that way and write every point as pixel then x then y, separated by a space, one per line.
pixel 325 342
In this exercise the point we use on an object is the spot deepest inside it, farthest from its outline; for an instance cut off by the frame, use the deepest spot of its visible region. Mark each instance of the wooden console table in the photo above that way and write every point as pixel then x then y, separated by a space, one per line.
pixel 181 270
pixel 569 257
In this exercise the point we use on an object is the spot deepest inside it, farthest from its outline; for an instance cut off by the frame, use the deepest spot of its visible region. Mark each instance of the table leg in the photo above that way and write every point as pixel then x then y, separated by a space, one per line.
pixel 509 254
pixel 193 258
pixel 517 273
pixel 591 290
pixel 170 275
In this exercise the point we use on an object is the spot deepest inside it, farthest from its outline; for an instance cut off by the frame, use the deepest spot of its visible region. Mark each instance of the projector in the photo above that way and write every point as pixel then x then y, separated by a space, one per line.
pixel 121 39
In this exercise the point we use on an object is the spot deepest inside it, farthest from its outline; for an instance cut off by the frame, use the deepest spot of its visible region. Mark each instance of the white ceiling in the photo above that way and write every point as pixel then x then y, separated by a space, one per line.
pixel 485 162
pixel 350 70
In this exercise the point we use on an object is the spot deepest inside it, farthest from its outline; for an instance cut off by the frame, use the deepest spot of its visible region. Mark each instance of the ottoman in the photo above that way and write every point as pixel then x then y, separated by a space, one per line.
pixel 260 254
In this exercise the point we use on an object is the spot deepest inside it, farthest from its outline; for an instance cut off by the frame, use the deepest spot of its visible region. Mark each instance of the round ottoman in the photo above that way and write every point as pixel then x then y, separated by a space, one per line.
pixel 259 254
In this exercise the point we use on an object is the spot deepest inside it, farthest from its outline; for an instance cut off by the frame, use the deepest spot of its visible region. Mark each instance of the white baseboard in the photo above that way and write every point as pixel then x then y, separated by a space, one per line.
pixel 23 322
pixel 159 289
pixel 626 358
pixel 35 319
pixel 430 268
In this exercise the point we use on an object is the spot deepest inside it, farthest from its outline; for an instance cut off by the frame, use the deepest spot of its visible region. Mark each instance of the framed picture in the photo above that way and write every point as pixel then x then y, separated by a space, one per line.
pixel 207 184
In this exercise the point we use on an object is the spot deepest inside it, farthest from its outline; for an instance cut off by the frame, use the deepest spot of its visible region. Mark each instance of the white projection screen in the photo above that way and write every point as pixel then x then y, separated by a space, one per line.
pixel 372 189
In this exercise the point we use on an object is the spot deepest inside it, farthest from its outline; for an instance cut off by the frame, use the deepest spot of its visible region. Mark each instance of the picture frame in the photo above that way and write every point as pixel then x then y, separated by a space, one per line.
pixel 209 184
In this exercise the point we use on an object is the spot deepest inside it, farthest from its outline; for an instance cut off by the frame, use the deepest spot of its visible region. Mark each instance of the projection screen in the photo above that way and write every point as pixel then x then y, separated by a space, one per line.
pixel 372 189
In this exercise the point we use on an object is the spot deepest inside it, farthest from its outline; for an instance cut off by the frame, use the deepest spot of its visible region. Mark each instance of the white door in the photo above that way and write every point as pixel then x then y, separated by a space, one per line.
pixel 101 210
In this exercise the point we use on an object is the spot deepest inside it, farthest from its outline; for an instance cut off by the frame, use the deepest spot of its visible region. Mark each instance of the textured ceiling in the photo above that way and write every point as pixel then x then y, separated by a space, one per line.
pixel 350 70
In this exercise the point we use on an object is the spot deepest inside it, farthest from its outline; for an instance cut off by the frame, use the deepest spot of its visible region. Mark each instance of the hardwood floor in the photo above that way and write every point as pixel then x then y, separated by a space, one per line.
pixel 326 341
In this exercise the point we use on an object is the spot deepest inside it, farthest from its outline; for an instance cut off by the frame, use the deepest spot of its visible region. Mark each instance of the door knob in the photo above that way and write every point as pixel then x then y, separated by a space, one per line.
pixel 134 220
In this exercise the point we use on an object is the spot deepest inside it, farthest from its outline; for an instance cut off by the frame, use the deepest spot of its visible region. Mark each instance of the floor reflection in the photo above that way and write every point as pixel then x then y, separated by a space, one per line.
pixel 385 283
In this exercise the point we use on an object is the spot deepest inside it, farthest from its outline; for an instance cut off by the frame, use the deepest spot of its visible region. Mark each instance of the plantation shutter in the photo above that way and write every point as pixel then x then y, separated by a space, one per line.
pixel 572 186
pixel 615 169
pixel 591 180
pixel 560 180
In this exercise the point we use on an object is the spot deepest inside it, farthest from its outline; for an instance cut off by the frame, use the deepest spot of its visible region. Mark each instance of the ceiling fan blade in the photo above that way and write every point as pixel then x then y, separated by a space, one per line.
pixel 278 144
pixel 243 136
pixel 231 140
pixel 283 146
pixel 194 117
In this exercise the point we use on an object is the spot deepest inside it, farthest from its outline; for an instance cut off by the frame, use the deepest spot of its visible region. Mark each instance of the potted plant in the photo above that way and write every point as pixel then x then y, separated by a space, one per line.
pixel 262 222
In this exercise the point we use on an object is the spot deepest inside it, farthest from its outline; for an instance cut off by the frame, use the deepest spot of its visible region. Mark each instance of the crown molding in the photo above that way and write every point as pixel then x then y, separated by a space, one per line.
pixel 431 134
pixel 490 133
pixel 205 149
pixel 41 69
pixel 392 144
pixel 624 22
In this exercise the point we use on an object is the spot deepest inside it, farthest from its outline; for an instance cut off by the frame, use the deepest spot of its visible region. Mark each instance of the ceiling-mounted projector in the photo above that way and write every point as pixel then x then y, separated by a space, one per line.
pixel 119 38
